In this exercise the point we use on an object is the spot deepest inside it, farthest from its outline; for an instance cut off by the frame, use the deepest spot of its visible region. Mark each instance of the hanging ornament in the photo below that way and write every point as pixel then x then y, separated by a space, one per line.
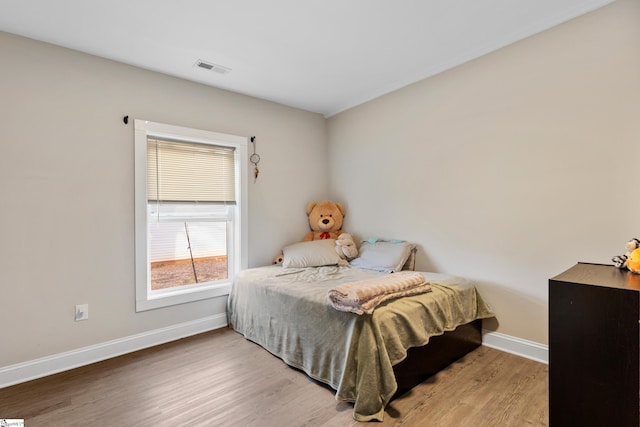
pixel 255 159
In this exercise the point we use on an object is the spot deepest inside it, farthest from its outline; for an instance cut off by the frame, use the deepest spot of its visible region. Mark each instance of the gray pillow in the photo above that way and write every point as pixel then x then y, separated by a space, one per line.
pixel 315 253
pixel 385 256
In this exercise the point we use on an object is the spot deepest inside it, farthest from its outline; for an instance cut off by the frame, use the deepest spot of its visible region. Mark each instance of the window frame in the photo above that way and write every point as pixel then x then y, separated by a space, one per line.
pixel 147 299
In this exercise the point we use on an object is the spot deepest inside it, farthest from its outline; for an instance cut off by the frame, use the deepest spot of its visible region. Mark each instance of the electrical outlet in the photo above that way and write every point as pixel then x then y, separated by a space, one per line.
pixel 82 312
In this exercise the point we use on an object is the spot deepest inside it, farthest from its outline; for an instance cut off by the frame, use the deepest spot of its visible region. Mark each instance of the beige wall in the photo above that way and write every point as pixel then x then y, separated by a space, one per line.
pixel 508 169
pixel 66 179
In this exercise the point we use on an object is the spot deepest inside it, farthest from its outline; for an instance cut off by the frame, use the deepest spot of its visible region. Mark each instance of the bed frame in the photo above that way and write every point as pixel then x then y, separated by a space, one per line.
pixel 440 352
pixel 370 390
pixel 443 350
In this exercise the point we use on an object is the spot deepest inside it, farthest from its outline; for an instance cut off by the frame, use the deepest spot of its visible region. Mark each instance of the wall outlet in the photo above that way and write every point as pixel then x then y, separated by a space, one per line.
pixel 82 312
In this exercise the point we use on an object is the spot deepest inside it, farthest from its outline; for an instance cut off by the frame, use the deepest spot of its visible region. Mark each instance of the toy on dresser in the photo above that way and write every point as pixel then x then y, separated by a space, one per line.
pixel 631 258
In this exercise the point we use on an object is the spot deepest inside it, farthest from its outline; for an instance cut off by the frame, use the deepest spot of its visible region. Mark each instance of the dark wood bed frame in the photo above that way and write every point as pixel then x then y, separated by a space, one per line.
pixel 440 352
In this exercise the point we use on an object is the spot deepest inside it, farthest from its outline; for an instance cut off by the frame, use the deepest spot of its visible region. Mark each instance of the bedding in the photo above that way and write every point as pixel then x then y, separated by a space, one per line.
pixel 364 296
pixel 286 311
pixel 315 253
pixel 382 255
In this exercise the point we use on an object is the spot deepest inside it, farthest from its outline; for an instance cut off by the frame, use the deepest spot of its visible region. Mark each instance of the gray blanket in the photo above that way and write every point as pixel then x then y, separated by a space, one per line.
pixel 287 312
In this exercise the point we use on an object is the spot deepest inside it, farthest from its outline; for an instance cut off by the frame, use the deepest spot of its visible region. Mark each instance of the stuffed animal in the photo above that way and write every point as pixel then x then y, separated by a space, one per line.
pixel 346 247
pixel 325 220
pixel 633 262
pixel 621 261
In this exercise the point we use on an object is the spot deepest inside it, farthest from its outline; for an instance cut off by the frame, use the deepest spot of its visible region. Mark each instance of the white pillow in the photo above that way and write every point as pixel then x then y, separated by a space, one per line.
pixel 384 256
pixel 311 254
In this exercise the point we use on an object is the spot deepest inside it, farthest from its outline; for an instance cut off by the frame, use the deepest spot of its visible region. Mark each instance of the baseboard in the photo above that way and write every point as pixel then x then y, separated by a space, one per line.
pixel 518 346
pixel 26 371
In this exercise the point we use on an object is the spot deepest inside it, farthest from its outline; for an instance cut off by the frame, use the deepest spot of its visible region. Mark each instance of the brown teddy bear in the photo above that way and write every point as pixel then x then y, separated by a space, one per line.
pixel 325 220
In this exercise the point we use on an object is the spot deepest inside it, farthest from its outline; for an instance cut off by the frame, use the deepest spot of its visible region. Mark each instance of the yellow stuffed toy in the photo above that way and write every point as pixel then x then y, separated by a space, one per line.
pixel 633 262
pixel 620 261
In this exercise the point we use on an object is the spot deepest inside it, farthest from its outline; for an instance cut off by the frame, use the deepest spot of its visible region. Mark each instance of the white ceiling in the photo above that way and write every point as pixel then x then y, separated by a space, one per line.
pixel 319 55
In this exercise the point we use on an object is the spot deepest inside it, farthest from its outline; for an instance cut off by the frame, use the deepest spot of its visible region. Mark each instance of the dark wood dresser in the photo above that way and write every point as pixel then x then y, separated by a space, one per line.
pixel 594 360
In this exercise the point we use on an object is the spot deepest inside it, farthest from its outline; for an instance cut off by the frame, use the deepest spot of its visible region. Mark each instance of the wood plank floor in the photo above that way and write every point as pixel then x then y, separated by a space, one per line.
pixel 221 379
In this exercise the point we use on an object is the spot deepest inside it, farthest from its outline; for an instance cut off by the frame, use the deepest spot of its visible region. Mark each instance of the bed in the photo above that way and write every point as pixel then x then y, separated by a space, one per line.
pixel 364 358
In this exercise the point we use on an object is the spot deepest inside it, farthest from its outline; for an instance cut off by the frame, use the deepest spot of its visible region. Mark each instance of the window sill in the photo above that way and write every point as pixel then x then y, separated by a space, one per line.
pixel 169 297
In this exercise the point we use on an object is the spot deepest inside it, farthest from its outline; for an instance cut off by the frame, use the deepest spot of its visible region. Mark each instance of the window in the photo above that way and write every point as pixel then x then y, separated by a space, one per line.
pixel 190 213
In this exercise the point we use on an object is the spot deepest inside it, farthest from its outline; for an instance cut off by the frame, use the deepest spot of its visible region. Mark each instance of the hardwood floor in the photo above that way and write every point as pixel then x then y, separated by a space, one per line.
pixel 221 379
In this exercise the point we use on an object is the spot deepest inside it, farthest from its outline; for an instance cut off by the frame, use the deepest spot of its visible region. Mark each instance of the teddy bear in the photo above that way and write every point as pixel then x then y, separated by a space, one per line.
pixel 346 247
pixel 620 261
pixel 325 219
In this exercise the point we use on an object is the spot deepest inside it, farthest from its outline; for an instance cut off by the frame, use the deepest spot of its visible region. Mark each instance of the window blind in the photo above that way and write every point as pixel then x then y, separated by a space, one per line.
pixel 190 172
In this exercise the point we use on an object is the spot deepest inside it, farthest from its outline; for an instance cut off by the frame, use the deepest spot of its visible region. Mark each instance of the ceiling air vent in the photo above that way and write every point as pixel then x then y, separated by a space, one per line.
pixel 220 69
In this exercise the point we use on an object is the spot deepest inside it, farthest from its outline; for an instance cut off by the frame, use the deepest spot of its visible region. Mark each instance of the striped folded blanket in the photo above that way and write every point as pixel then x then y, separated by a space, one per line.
pixel 364 296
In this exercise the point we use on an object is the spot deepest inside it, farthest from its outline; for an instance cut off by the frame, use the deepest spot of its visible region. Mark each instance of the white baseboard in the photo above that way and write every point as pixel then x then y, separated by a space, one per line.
pixel 518 346
pixel 26 371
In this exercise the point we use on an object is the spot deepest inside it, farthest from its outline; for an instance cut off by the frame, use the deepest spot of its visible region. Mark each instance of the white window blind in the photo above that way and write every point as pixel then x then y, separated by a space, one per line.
pixel 190 172
pixel 190 213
